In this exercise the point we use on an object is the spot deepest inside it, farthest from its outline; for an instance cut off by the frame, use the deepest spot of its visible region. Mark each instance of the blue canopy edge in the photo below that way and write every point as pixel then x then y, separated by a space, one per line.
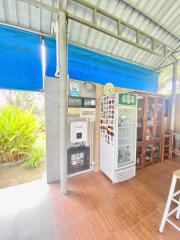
pixel 88 65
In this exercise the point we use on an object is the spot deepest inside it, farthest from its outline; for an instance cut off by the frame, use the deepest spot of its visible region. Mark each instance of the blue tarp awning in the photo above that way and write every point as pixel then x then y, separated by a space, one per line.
pixel 21 64
pixel 87 65
pixel 20 60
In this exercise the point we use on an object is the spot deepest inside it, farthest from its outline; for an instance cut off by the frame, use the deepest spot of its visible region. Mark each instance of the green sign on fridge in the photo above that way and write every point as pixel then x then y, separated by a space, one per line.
pixel 127 99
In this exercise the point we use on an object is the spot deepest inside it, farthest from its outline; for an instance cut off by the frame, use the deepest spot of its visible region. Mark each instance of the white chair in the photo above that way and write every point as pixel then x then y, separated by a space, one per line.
pixel 171 198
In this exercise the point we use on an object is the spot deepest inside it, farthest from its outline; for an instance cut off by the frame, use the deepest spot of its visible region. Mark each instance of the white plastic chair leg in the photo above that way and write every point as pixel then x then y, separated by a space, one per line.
pixel 178 211
pixel 168 204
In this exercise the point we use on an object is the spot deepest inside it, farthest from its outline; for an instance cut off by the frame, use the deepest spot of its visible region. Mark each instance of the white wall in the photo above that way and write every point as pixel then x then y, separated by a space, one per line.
pixel 52 114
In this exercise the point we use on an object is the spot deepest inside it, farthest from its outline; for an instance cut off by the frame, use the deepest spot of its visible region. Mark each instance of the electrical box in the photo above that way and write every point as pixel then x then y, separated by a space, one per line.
pixel 78 132
pixel 78 159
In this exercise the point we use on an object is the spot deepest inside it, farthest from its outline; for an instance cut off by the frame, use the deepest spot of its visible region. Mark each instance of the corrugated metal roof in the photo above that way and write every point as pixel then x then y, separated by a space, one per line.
pixel 166 13
pixel 163 24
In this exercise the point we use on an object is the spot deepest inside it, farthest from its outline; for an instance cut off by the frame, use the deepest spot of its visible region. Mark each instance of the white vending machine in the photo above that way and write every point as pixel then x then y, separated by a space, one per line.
pixel 118 127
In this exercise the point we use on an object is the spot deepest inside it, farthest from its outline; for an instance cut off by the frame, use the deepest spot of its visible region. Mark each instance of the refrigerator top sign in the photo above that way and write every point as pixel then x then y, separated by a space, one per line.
pixel 127 99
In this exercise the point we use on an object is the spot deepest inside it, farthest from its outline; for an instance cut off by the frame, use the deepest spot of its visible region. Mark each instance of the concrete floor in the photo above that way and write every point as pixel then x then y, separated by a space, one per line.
pixel 93 209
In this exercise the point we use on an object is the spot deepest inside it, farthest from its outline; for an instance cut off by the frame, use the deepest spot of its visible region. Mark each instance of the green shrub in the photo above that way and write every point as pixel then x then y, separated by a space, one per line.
pixel 19 130
pixel 35 157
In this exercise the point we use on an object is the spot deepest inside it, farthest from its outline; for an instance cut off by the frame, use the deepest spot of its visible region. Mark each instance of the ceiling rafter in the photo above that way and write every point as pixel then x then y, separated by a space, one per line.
pixel 55 9
pixel 151 19
pixel 63 4
pixel 160 66
pixel 4 4
pixel 93 24
pixel 41 5
pixel 26 29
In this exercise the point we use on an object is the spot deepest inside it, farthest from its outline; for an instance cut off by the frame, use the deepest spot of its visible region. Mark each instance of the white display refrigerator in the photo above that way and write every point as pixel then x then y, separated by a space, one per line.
pixel 118 128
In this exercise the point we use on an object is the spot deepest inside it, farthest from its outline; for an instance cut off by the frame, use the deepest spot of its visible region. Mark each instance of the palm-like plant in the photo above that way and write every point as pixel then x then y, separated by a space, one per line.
pixel 19 130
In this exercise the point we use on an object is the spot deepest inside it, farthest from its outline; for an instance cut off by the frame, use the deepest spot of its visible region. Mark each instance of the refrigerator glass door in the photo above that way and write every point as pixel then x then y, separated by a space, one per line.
pixel 126 136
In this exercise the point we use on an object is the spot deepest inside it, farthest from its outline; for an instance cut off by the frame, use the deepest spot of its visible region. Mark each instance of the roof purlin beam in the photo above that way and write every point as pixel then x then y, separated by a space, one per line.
pixel 114 18
pixel 170 55
pixel 41 5
pixel 25 29
pixel 4 9
pixel 151 19
pixel 121 24
pixel 63 4
pixel 114 35
pixel 93 24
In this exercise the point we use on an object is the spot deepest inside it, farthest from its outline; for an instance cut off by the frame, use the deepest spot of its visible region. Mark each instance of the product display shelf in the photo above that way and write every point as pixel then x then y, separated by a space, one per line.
pixel 151 111
pixel 167 145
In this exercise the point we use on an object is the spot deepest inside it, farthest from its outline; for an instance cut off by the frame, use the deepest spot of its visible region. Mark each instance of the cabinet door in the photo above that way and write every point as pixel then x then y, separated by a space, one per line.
pixel 139 157
pixel 148 154
pixel 140 118
pixel 159 117
pixel 157 152
pixel 150 118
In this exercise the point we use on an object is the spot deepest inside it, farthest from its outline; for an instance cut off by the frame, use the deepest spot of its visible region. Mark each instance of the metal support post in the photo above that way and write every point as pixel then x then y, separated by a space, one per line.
pixel 62 61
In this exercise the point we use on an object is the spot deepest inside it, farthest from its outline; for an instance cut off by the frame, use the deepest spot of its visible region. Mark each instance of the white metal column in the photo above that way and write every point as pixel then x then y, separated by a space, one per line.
pixel 62 60
pixel 173 97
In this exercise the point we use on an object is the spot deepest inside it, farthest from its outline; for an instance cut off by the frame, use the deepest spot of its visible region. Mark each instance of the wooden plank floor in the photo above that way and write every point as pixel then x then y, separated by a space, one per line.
pixel 97 209
pixel 94 209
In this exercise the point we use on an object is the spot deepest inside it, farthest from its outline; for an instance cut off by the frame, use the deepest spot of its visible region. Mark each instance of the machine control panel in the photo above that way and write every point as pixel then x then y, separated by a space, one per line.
pixel 78 159
pixel 78 132
pixel 89 102
pixel 81 102
pixel 75 102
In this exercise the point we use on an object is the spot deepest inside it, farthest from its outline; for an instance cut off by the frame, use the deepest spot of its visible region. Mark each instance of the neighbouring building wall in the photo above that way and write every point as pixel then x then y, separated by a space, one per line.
pixel 177 114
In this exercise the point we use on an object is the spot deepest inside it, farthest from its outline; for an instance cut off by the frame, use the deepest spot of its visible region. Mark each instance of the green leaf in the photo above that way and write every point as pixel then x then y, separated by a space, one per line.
pixel 19 131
